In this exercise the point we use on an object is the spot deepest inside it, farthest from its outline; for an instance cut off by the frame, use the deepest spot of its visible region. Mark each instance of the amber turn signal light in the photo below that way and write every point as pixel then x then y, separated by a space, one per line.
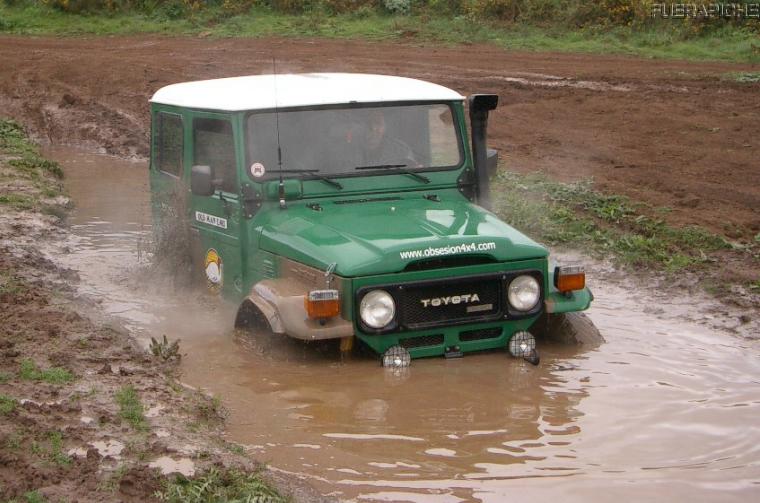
pixel 321 304
pixel 570 278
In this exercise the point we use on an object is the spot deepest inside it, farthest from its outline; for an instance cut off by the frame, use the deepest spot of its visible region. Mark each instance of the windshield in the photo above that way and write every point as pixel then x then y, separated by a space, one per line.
pixel 337 141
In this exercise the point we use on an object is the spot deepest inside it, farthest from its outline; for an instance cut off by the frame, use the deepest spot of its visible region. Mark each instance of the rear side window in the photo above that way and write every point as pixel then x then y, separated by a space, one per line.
pixel 169 143
pixel 214 146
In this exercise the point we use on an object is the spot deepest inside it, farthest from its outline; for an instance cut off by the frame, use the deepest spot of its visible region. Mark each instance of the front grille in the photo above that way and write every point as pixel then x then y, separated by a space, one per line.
pixel 450 302
pixel 422 341
pixel 481 334
pixel 447 301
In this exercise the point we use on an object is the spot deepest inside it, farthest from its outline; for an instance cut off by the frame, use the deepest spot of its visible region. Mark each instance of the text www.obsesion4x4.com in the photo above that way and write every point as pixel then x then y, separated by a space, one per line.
pixel 447 250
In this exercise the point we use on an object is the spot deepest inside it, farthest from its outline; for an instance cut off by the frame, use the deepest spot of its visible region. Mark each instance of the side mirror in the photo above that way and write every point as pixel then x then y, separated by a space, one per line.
pixel 492 162
pixel 202 181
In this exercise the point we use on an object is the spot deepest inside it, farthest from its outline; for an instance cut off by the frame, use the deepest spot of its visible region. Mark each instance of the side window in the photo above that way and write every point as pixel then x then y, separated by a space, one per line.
pixel 214 146
pixel 168 156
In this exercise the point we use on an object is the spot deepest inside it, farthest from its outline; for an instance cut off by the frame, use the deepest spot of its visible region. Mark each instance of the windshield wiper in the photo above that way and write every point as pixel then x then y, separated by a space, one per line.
pixel 313 174
pixel 399 168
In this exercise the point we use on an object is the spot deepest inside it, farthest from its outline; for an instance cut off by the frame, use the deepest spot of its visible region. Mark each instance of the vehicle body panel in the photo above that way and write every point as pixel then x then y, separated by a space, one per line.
pixel 267 241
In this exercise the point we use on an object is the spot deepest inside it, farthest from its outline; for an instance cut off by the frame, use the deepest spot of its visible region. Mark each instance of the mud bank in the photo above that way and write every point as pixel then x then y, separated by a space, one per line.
pixel 86 414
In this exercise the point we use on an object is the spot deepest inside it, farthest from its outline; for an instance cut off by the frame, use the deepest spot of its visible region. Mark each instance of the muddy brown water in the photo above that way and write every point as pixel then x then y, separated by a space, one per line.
pixel 666 410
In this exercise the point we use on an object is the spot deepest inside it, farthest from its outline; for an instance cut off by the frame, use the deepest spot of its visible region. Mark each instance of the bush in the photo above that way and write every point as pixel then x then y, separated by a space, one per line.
pixel 348 6
pixel 398 6
pixel 503 10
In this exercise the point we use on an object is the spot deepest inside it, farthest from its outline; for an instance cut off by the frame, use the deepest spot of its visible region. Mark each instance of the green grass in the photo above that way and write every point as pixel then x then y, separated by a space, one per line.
pixel 33 164
pixel 18 201
pixel 5 377
pixel 663 40
pixel 230 485
pixel 576 215
pixel 744 77
pixel 29 371
pixel 10 285
pixel 56 454
pixel 130 408
pixel 13 441
pixel 236 449
pixel 26 163
pixel 50 449
pixel 13 140
pixel 7 404
pixel 112 481
pixel 34 497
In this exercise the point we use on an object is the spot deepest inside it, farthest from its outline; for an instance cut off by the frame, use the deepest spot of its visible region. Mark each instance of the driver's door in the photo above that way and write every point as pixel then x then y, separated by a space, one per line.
pixel 216 219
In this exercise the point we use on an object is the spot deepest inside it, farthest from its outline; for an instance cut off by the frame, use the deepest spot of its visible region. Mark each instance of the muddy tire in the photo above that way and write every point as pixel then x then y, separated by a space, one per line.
pixel 250 318
pixel 574 329
pixel 252 329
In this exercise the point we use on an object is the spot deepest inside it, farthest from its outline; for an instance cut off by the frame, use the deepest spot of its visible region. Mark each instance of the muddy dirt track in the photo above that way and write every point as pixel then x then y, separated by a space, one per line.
pixel 669 133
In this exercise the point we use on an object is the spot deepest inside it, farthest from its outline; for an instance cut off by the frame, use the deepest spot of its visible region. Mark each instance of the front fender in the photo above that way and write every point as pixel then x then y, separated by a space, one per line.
pixel 557 302
pixel 281 301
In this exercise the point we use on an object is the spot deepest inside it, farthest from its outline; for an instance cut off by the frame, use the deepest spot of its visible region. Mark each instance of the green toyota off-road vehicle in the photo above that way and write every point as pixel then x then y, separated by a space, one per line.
pixel 343 206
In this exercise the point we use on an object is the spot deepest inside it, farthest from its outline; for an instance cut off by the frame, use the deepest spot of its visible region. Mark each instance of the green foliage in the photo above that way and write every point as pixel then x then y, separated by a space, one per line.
pixel 130 408
pixel 34 497
pixel 27 163
pixel 745 77
pixel 610 26
pixel 402 7
pixel 32 164
pixel 7 404
pixel 5 377
pixel 211 410
pixel 215 486
pixel 10 285
pixel 29 371
pixel 18 201
pixel 50 449
pixel 13 140
pixel 574 214
pixel 56 453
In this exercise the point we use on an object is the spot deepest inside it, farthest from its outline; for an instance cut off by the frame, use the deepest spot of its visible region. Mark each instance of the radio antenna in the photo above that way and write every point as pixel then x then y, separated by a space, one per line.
pixel 281 186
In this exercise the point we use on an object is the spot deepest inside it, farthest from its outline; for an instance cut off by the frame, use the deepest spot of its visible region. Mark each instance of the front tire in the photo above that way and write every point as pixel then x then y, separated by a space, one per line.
pixel 574 329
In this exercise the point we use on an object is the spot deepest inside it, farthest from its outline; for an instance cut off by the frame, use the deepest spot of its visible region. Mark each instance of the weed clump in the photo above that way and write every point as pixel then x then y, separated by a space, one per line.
pixel 10 285
pixel 130 408
pixel 29 371
pixel 7 405
pixel 164 350
pixel 215 485
pixel 50 449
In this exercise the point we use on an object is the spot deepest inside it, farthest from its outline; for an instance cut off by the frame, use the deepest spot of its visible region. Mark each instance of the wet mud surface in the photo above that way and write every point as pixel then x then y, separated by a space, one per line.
pixel 669 133
pixel 64 360
pixel 665 409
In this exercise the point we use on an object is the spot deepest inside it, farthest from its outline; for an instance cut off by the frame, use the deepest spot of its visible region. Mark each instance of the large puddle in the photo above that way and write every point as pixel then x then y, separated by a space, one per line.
pixel 666 410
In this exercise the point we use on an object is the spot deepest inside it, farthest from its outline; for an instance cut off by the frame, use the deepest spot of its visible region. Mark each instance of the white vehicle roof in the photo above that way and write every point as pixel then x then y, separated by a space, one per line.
pixel 258 92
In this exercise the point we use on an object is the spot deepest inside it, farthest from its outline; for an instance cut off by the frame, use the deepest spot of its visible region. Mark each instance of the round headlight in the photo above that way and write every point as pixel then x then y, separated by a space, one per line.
pixel 524 293
pixel 377 309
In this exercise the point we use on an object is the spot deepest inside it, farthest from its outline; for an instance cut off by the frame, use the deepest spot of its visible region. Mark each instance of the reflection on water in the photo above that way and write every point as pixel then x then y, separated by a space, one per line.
pixel 666 410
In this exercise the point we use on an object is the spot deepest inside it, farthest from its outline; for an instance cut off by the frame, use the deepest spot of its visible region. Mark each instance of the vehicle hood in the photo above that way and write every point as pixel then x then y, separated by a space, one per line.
pixel 368 237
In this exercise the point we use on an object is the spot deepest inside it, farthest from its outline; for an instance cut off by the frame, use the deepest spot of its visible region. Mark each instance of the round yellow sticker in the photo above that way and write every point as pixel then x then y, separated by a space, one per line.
pixel 213 266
